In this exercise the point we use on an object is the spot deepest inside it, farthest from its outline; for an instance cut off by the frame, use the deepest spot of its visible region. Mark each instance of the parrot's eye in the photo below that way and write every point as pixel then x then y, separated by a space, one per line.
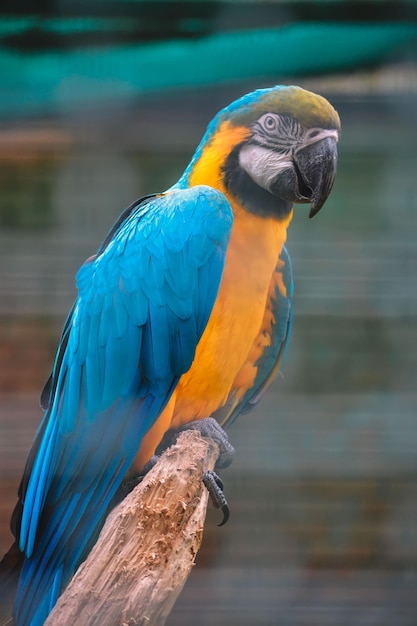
pixel 270 123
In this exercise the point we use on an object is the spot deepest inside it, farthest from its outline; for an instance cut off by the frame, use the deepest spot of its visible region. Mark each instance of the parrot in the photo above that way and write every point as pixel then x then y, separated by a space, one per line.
pixel 183 315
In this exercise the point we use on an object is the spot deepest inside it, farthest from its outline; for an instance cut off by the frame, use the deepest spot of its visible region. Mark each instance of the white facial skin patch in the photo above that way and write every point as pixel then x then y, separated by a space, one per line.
pixel 262 164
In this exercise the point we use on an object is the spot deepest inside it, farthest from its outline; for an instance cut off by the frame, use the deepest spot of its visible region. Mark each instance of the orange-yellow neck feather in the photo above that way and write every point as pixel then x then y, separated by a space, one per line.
pixel 208 170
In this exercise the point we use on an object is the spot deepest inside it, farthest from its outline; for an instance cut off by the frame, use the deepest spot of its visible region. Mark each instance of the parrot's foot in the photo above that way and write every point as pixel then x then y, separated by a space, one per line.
pixel 209 427
pixel 214 486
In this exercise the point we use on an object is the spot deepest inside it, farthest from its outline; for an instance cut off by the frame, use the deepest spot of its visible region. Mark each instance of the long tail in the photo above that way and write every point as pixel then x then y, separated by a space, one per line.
pixel 10 567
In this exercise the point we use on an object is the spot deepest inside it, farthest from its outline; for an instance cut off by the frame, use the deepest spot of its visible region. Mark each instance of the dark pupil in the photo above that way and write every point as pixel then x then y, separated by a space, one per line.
pixel 270 122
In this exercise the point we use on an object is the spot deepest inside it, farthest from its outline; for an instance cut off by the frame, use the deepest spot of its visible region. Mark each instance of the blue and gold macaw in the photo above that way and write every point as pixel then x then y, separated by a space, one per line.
pixel 183 313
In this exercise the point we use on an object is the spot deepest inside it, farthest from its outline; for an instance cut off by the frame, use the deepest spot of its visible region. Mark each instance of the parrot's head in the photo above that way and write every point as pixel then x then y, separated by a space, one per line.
pixel 270 149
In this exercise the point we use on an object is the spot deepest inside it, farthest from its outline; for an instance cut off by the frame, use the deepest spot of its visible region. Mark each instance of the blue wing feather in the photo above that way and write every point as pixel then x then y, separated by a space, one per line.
pixel 143 302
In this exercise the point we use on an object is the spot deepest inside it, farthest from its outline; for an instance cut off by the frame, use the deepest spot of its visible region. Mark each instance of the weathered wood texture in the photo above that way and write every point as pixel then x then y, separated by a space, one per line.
pixel 147 547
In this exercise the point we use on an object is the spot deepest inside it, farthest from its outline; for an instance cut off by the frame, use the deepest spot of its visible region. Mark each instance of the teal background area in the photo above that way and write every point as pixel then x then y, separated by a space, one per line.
pixel 59 80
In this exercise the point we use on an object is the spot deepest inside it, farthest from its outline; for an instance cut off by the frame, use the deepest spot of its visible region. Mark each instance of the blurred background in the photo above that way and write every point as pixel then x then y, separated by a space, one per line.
pixel 102 102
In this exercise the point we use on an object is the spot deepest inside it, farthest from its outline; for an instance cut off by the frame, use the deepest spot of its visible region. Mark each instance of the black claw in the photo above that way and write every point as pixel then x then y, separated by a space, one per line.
pixel 214 486
pixel 226 514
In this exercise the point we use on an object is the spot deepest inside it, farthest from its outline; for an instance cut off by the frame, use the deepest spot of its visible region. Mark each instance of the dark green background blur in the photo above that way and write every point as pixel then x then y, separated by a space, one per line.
pixel 102 102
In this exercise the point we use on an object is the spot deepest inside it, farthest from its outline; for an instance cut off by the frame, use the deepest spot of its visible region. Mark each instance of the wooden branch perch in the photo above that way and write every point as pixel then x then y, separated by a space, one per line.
pixel 147 547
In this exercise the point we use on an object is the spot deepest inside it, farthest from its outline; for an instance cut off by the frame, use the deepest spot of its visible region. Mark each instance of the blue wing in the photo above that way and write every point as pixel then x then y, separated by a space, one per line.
pixel 270 345
pixel 143 303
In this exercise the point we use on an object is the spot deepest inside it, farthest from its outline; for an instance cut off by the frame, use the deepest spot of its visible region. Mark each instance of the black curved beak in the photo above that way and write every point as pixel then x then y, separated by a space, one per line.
pixel 316 165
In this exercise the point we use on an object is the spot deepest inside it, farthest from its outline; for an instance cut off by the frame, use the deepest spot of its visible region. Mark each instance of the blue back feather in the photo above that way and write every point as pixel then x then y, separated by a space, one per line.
pixel 143 303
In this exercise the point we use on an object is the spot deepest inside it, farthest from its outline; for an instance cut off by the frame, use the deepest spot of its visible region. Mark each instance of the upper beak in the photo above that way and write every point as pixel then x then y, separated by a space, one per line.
pixel 316 164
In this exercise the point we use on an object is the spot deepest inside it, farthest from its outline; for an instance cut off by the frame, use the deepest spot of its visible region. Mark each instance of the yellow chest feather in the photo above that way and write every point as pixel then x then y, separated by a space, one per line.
pixel 254 247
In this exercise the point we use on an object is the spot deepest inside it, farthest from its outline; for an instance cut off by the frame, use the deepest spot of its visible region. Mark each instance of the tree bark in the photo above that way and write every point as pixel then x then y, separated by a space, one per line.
pixel 147 547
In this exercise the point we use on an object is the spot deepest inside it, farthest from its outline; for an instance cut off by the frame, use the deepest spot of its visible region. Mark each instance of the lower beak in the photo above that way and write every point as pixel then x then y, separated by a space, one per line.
pixel 316 165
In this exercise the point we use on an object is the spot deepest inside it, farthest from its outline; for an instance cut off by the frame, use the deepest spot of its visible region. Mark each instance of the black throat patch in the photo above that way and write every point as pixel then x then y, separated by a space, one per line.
pixel 252 197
